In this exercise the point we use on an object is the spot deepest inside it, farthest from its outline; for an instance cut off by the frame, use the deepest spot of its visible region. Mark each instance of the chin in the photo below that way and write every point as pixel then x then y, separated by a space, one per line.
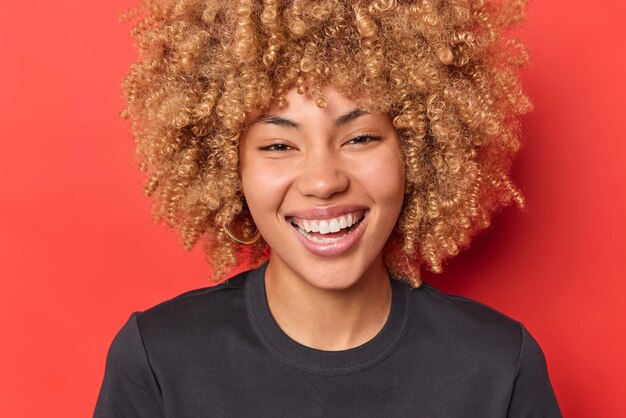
pixel 333 277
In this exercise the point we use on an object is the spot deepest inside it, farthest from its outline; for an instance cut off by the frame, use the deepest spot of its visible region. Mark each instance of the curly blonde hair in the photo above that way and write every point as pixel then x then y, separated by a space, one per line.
pixel 445 71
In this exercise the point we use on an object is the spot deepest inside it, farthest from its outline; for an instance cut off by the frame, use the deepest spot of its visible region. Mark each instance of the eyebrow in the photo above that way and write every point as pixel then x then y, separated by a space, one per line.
pixel 350 116
pixel 279 121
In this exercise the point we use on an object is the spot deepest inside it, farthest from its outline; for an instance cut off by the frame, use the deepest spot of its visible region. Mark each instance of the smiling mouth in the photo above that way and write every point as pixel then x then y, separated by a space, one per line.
pixel 321 232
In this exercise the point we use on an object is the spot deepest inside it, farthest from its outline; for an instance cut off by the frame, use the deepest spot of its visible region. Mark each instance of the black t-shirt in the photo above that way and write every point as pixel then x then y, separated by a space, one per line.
pixel 217 352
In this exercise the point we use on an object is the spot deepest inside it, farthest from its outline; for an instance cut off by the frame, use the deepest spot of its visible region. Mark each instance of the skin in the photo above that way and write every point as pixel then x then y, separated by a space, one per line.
pixel 327 303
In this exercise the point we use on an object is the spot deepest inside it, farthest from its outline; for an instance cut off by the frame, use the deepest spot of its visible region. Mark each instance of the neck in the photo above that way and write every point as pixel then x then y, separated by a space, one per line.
pixel 329 319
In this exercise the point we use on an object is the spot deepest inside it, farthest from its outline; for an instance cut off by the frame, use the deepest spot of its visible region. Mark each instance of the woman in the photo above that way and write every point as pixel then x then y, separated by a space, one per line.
pixel 337 146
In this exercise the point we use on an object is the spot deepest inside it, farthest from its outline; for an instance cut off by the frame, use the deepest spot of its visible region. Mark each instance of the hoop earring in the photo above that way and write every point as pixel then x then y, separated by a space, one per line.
pixel 248 241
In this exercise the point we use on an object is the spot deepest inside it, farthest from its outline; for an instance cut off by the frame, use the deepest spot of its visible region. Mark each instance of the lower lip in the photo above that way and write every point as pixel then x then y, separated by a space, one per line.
pixel 333 249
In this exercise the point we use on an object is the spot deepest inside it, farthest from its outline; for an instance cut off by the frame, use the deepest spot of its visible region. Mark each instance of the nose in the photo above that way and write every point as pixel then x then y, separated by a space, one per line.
pixel 322 174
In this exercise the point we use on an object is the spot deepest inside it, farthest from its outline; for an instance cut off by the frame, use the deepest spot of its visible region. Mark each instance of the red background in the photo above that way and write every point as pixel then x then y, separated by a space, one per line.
pixel 79 252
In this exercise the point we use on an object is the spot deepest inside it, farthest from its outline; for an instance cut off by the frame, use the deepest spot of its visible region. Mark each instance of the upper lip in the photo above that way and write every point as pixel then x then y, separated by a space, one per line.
pixel 325 213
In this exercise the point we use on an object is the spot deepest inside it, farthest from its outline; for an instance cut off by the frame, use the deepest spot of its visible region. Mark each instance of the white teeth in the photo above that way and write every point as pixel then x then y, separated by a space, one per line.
pixel 327 226
pixel 322 240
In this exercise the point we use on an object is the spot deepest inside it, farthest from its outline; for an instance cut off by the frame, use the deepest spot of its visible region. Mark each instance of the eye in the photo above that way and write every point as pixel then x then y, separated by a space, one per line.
pixel 275 147
pixel 364 139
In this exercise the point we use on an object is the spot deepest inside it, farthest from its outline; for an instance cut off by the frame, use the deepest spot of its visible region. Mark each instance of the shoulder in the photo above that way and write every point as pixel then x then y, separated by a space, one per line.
pixel 462 311
pixel 225 291
pixel 470 340
pixel 466 329
pixel 202 308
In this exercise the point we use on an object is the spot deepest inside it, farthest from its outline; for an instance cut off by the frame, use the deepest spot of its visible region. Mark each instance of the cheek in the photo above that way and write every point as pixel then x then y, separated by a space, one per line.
pixel 384 177
pixel 264 193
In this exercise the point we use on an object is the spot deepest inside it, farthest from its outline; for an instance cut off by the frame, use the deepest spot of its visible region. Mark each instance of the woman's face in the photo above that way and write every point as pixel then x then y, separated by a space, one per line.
pixel 309 173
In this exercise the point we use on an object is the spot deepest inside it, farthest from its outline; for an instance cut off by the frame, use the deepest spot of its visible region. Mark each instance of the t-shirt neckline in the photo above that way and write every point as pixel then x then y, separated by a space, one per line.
pixel 321 362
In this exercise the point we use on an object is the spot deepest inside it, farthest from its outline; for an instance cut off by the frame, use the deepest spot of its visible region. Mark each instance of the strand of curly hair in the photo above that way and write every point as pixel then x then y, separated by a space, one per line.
pixel 445 71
